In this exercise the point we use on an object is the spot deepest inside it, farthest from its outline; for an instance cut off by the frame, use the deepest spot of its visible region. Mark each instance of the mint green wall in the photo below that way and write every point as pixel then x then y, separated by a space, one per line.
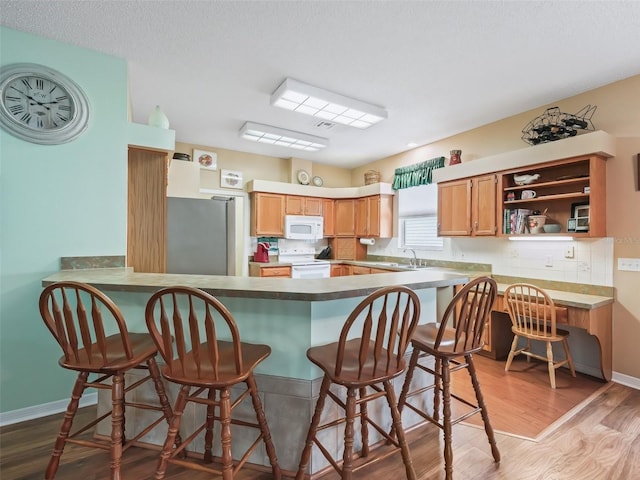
pixel 56 200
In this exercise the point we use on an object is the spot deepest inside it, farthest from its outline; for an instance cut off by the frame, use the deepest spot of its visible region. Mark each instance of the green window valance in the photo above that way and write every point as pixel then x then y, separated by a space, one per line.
pixel 417 174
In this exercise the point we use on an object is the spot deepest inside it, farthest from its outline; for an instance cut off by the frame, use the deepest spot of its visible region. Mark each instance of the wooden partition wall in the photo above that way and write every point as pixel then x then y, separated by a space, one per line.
pixel 146 216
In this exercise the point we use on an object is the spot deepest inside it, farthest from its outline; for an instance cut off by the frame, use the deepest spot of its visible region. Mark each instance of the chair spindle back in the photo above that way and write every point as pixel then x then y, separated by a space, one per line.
pixel 387 318
pixel 197 335
pixel 80 317
pixel 531 309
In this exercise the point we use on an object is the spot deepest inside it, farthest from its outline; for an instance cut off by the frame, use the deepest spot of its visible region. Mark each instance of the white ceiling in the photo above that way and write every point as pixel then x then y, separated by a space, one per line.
pixel 438 67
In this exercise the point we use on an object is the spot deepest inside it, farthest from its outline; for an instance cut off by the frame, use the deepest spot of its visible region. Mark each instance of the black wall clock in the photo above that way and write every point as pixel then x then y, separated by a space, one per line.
pixel 41 105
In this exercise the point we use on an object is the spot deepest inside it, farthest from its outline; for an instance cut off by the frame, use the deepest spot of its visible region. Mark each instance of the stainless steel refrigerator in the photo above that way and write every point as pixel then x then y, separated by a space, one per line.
pixel 201 236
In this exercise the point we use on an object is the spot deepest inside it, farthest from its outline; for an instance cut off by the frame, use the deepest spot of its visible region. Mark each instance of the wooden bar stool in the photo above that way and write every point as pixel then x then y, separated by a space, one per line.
pixel 78 315
pixel 452 343
pixel 367 356
pixel 210 367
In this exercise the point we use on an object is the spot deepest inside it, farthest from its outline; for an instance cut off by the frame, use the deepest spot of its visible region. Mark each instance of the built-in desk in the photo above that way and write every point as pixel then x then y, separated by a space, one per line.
pixel 592 313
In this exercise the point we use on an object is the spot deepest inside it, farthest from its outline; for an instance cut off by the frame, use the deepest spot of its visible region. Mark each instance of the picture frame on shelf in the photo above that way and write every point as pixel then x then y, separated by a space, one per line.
pixel 580 212
pixel 207 160
pixel 231 179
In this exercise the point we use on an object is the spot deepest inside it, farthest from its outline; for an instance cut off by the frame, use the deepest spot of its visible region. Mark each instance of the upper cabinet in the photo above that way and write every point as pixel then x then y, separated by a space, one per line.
pixel 374 216
pixel 573 188
pixel 328 213
pixel 345 216
pixel 564 180
pixel 297 205
pixel 467 207
pixel 267 214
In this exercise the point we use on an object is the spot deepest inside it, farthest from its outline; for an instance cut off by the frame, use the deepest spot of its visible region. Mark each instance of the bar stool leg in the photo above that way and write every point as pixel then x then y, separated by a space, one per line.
pixel 208 436
pixel 445 375
pixel 67 422
pixel 154 371
pixel 181 402
pixel 364 426
pixel 483 408
pixel 264 427
pixel 397 427
pixel 347 460
pixel 225 422
pixel 306 451
pixel 117 417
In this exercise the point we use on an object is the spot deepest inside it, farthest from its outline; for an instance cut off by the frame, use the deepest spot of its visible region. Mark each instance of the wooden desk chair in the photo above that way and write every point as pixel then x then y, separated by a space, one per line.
pixel 367 356
pixel 452 343
pixel 78 315
pixel 533 316
pixel 210 367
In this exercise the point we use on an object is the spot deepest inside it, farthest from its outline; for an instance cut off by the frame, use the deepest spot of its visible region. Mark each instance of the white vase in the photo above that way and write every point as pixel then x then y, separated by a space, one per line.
pixel 157 118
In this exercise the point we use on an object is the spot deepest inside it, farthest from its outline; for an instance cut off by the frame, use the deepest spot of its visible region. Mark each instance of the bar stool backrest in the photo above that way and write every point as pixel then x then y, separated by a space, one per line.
pixel 378 331
pixel 205 338
pixel 81 317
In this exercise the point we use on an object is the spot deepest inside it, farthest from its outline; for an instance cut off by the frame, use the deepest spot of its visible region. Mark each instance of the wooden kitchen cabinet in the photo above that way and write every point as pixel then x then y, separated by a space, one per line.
pixel 561 185
pixel 347 248
pixel 374 216
pixel 358 270
pixel 339 270
pixel 345 215
pixel 267 214
pixel 298 205
pixel 280 271
pixel 328 213
pixel 467 207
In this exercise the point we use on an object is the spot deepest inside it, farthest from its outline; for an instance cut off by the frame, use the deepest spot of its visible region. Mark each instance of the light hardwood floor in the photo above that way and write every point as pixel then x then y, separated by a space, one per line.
pixel 600 442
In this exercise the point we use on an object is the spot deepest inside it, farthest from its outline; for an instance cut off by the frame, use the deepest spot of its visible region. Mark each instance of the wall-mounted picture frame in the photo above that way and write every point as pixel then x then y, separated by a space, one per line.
pixel 207 160
pixel 231 179
pixel 580 212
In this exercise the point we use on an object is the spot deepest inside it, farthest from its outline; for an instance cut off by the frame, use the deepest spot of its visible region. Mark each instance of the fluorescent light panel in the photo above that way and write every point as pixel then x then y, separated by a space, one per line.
pixel 304 98
pixel 282 137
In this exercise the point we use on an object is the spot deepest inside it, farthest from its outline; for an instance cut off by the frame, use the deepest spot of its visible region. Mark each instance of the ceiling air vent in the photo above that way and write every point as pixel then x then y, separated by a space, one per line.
pixel 325 125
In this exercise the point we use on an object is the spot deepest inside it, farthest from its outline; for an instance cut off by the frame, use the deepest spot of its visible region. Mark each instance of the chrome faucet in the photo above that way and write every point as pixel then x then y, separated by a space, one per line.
pixel 414 261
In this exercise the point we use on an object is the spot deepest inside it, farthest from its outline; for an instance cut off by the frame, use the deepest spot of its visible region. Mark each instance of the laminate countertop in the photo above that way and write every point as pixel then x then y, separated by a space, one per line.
pixel 125 279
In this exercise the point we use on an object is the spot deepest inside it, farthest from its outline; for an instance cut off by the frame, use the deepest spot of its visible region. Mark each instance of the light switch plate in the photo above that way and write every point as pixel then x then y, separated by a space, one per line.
pixel 569 252
pixel 629 264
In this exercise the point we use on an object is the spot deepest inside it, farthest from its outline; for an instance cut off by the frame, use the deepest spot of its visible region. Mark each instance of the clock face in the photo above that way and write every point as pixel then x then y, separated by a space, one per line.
pixel 41 105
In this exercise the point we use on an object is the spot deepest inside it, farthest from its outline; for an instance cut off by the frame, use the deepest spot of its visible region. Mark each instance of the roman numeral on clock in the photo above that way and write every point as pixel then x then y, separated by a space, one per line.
pixel 26 118
pixel 26 83
pixel 16 109
pixel 39 84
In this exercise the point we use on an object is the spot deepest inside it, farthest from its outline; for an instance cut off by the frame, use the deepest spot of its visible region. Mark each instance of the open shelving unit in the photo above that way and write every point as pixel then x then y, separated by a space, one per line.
pixel 562 185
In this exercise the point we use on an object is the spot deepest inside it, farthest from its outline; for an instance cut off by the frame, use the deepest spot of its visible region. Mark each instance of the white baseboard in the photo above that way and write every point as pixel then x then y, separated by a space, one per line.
pixel 627 380
pixel 43 410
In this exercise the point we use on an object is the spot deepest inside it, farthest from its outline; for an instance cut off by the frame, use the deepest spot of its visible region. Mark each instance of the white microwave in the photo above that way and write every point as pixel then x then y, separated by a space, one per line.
pixel 303 227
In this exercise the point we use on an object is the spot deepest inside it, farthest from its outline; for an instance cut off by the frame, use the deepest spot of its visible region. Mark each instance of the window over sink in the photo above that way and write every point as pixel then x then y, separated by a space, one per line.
pixel 418 218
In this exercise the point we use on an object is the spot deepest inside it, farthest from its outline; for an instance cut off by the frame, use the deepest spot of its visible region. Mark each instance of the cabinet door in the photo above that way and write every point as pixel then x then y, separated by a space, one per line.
pixel 267 214
pixel 345 218
pixel 454 208
pixel 484 205
pixel 381 216
pixel 358 270
pixel 362 217
pixel 312 206
pixel 328 213
pixel 294 205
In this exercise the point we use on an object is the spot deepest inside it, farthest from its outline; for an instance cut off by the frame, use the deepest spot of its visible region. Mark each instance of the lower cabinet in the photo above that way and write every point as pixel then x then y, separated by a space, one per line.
pixel 258 271
pixel 340 270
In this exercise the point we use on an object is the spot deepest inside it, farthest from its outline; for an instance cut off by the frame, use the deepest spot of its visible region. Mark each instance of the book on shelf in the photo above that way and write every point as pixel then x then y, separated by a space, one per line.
pixel 515 221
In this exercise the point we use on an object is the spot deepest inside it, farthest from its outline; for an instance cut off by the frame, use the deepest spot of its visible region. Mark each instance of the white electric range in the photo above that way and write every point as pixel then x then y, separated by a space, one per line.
pixel 304 264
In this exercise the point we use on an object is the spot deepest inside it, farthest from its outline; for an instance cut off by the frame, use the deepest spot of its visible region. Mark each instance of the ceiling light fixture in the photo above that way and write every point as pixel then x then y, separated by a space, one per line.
pixel 304 98
pixel 282 137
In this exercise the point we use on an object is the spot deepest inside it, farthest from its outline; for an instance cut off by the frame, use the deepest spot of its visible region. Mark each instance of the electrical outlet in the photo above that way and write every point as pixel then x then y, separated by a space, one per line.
pixel 584 266
pixel 548 261
pixel 629 264
pixel 569 252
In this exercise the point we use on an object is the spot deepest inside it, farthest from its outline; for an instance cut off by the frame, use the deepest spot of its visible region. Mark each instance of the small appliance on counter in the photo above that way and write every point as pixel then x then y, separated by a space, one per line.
pixel 262 253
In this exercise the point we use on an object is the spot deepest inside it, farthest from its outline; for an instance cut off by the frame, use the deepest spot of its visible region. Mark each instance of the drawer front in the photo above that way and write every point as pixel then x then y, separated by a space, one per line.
pixel 275 272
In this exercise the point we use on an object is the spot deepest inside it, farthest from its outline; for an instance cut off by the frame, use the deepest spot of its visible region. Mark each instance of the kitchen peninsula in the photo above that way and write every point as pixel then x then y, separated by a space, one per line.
pixel 287 314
